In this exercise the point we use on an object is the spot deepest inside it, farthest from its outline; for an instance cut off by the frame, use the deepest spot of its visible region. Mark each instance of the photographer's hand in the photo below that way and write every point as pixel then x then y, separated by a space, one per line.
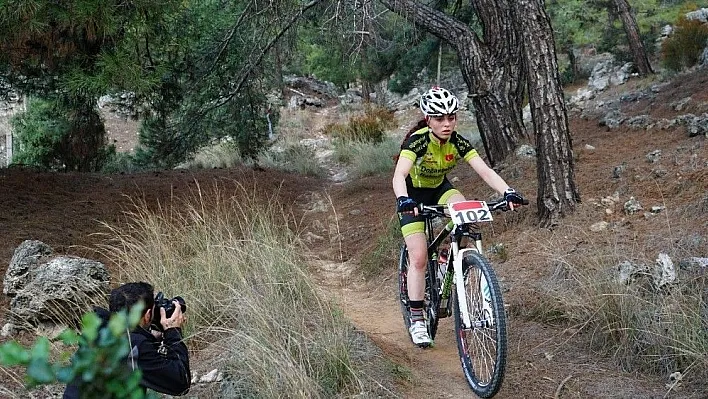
pixel 176 320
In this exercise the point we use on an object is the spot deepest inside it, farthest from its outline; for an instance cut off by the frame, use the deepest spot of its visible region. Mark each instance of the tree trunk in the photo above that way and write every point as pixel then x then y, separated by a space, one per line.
pixel 629 23
pixel 557 193
pixel 491 69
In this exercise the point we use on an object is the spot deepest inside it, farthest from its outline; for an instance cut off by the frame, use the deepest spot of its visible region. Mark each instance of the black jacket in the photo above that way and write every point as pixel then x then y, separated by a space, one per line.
pixel 165 373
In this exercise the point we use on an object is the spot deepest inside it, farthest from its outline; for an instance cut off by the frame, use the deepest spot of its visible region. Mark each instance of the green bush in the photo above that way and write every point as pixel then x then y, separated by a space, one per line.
pixel 60 133
pixel 98 366
pixel 120 163
pixel 39 132
pixel 683 48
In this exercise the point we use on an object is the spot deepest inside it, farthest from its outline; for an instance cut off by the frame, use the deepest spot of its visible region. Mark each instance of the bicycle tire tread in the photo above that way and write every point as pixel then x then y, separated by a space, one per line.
pixel 470 262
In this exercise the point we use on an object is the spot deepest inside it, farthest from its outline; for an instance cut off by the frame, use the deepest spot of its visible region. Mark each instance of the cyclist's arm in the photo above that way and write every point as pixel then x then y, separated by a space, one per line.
pixel 488 174
pixel 403 168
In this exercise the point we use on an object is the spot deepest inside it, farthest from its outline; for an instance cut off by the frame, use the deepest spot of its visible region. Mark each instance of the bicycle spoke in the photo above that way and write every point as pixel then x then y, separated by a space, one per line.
pixel 480 340
pixel 482 346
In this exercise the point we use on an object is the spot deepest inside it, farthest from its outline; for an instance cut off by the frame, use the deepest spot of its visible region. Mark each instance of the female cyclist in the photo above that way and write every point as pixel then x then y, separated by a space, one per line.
pixel 420 177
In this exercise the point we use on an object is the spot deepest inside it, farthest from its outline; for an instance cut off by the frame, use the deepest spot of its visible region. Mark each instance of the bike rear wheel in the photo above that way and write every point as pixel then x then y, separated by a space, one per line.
pixel 432 299
pixel 431 294
pixel 482 347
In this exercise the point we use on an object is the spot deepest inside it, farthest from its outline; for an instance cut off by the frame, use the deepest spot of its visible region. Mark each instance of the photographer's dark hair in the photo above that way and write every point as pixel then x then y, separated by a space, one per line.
pixel 129 294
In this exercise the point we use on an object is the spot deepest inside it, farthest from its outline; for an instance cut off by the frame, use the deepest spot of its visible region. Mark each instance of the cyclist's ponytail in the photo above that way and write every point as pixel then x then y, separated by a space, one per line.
pixel 423 123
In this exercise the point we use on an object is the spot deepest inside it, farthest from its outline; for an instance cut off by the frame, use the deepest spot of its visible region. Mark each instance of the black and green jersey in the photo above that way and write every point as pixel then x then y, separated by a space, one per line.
pixel 433 159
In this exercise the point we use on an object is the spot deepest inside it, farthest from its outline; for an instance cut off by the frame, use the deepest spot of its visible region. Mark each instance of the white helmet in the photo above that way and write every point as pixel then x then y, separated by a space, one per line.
pixel 438 102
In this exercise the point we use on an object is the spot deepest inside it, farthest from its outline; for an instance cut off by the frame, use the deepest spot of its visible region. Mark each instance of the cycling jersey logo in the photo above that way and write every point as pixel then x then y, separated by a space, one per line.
pixel 449 157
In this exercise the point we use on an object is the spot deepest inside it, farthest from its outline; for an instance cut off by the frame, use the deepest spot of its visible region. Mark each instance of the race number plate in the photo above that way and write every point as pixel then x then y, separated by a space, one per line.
pixel 469 212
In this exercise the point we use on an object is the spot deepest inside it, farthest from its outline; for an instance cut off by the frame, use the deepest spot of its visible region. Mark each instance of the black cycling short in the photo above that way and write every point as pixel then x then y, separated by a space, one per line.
pixel 439 195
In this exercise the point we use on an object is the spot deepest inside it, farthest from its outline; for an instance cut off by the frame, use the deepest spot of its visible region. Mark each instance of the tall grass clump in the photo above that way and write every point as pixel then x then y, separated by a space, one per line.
pixel 252 308
pixel 297 158
pixel 219 155
pixel 643 326
pixel 371 126
pixel 366 158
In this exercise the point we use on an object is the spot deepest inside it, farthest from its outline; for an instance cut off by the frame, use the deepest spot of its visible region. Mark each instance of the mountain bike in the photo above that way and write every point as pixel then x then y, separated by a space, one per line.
pixel 477 305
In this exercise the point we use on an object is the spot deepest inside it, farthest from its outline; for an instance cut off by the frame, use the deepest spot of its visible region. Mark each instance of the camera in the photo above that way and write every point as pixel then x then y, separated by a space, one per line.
pixel 168 305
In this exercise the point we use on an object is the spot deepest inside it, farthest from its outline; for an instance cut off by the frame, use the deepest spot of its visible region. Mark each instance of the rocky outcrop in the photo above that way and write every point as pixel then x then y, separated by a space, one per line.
pixel 45 288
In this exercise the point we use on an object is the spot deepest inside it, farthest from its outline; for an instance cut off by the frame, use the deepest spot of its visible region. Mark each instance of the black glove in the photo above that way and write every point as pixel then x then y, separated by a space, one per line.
pixel 512 197
pixel 405 204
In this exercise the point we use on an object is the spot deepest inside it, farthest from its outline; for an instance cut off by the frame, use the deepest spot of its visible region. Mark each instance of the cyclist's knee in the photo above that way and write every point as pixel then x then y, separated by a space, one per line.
pixel 417 255
pixel 456 197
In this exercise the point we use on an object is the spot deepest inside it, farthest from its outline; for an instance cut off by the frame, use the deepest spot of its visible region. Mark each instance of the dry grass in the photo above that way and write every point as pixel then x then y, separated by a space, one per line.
pixel 369 126
pixel 252 307
pixel 643 327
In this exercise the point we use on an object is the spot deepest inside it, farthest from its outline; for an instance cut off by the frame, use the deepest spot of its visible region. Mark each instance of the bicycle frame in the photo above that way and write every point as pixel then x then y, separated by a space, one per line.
pixel 457 232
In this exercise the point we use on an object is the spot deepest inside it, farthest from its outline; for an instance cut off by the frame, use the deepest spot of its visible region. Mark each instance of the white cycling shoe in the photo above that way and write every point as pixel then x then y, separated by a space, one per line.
pixel 419 334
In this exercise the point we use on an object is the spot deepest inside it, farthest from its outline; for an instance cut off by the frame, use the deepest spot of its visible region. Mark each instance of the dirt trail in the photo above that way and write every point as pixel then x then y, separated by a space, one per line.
pixel 433 372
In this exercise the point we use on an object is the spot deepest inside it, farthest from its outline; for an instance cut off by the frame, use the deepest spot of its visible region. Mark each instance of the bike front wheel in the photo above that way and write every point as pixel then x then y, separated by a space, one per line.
pixel 482 345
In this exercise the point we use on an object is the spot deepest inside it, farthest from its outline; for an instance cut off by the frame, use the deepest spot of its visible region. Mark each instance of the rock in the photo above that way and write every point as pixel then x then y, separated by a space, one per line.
pixel 664 273
pixel 654 156
pixel 698 126
pixel 612 119
pixel 694 263
pixel 632 206
pixel 699 15
pixel 212 376
pixel 627 271
pixel 618 170
pixel 680 104
pixel 24 262
pixel 639 121
pixel 55 290
pixel 7 330
pixel 659 172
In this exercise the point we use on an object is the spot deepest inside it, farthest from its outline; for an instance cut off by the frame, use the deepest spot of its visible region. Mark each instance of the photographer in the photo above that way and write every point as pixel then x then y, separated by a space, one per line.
pixel 161 355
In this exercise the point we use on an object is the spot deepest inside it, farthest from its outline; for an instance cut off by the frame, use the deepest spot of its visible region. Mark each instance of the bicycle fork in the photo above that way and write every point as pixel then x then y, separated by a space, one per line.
pixel 487 320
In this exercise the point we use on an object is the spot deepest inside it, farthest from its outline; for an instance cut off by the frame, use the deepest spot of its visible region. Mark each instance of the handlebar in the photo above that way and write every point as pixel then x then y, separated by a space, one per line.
pixel 440 210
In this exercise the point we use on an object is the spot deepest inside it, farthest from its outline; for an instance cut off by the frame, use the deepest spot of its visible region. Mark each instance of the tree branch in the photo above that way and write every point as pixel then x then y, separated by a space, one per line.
pixel 248 69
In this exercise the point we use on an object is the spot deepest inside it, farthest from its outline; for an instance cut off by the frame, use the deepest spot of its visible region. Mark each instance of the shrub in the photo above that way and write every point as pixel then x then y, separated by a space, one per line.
pixel 61 134
pixel 120 163
pixel 297 158
pixel 40 131
pixel 367 158
pixel 221 155
pixel 371 126
pixel 99 364
pixel 642 327
pixel 684 47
